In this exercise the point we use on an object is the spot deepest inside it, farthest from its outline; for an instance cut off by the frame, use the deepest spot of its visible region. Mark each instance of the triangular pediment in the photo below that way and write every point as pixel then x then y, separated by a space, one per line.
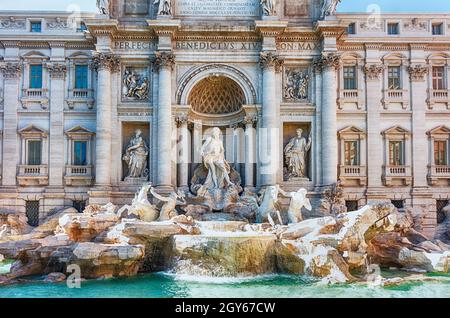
pixel 351 130
pixel 32 130
pixel 79 130
pixel 441 130
pixel 396 130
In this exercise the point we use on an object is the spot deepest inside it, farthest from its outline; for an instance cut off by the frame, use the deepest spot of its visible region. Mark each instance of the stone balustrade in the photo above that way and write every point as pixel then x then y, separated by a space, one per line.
pixel 353 175
pixel 438 173
pixel 79 175
pixel 33 175
pixel 397 175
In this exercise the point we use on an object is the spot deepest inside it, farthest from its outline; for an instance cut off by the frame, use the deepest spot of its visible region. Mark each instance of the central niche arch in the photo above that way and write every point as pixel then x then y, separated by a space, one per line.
pixel 216 95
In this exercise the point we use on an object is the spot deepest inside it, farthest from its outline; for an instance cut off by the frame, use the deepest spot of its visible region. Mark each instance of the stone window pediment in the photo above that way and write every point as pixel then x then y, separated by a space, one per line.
pixel 352 132
pixel 79 131
pixel 396 132
pixel 33 131
pixel 440 132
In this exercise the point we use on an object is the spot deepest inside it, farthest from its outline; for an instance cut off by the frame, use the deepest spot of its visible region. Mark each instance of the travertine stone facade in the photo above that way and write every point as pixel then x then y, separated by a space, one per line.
pixel 376 105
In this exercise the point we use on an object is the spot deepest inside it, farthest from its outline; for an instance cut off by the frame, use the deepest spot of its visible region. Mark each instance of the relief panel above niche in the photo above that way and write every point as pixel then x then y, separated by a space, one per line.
pixel 297 8
pixel 136 7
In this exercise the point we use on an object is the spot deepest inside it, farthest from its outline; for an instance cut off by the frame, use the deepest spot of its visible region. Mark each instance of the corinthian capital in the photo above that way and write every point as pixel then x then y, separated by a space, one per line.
pixel 11 69
pixel 57 70
pixel 270 59
pixel 107 61
pixel 418 72
pixel 332 60
pixel 164 59
pixel 373 71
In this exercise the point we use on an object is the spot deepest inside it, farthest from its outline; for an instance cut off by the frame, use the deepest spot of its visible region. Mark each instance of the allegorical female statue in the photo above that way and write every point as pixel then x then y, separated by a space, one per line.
pixel 329 8
pixel 136 157
pixel 103 6
pixel 268 7
pixel 165 7
pixel 295 155
pixel 213 154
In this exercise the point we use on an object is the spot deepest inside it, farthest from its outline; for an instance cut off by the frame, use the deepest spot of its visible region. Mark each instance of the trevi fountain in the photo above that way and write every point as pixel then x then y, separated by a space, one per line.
pixel 216 237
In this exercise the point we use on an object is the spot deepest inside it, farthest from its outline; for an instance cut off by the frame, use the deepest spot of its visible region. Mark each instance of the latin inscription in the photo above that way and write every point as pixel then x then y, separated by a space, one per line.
pixel 224 8
pixel 134 45
pixel 217 46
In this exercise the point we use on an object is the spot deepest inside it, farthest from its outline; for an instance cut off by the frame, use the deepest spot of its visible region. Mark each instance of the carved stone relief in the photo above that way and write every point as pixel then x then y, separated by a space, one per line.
pixel 135 84
pixel 296 84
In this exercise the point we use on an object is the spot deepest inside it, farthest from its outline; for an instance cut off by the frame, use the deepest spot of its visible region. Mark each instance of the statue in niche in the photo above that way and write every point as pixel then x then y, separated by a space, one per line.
pixel 268 7
pixel 329 8
pixel 216 183
pixel 297 84
pixel 213 154
pixel 103 6
pixel 135 86
pixel 295 155
pixel 164 7
pixel 136 157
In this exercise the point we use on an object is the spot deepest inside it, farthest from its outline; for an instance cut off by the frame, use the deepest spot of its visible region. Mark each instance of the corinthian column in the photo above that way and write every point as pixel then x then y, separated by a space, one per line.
pixel 164 63
pixel 105 64
pixel 11 74
pixel 269 155
pixel 250 160
pixel 329 62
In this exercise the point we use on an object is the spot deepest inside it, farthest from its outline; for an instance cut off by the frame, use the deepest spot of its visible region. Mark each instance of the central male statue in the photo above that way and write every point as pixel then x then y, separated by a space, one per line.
pixel 213 154
pixel 295 153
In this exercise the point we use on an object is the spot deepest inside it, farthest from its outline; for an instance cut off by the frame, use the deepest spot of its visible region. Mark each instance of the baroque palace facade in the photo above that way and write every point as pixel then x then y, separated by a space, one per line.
pixel 94 105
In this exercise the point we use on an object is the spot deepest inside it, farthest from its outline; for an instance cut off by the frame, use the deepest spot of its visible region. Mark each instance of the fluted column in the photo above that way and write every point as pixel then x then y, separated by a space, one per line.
pixel 183 152
pixel 329 62
pixel 56 163
pixel 105 65
pixel 250 156
pixel 11 74
pixel 269 155
pixel 164 63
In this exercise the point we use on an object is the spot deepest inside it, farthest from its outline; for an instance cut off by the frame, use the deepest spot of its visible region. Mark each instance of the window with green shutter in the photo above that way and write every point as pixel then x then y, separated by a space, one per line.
pixel 80 153
pixel 34 152
pixel 81 77
pixel 36 76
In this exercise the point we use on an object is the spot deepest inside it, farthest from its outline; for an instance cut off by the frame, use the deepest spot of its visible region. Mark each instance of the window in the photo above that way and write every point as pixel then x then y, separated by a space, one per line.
pixel 394 81
pixel 396 150
pixel 80 153
pixel 34 152
pixel 81 77
pixel 438 77
pixel 393 28
pixel 351 206
pixel 440 152
pixel 399 204
pixel 80 206
pixel 351 153
pixel 32 212
pixel 36 76
pixel 36 26
pixel 350 77
pixel 437 29
pixel 351 28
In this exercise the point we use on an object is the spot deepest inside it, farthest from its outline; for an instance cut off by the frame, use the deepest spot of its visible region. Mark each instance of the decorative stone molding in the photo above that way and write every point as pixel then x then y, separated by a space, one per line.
pixel 164 59
pixel 418 72
pixel 373 71
pixel 57 70
pixel 332 60
pixel 57 23
pixel 270 59
pixel 181 120
pixel 250 121
pixel 12 23
pixel 415 25
pixel 11 69
pixel 107 61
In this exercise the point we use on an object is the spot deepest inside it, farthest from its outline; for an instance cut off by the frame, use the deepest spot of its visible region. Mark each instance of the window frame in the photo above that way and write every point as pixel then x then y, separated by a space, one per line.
pixel 435 78
pixel 441 28
pixel 86 74
pixel 398 78
pixel 36 22
pixel 396 159
pixel 39 76
pixel 397 27
pixel 354 79
pixel 29 142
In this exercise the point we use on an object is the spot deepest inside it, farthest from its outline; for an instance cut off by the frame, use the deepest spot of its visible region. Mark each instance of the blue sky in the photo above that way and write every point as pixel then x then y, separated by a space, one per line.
pixel 419 6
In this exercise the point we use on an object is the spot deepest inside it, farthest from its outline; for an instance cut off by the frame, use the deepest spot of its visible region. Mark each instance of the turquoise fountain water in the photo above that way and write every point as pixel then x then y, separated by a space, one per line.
pixel 276 286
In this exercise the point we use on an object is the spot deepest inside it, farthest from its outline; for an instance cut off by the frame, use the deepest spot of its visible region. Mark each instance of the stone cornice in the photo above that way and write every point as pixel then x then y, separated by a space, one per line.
pixel 107 61
pixel 270 59
pixel 11 69
pixel 270 28
pixel 102 27
pixel 330 29
pixel 164 60
pixel 164 27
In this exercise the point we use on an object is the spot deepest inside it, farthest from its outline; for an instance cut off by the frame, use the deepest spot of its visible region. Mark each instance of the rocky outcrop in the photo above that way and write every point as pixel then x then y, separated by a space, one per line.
pixel 13 224
pixel 85 227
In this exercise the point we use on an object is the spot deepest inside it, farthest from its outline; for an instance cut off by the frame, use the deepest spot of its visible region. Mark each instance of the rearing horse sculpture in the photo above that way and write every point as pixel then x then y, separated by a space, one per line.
pixel 141 207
